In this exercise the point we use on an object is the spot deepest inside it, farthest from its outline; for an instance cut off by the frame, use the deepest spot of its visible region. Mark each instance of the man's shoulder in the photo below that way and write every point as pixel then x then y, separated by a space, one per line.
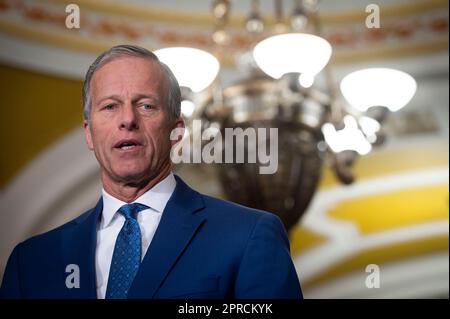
pixel 230 211
pixel 216 207
pixel 219 203
pixel 52 236
pixel 229 219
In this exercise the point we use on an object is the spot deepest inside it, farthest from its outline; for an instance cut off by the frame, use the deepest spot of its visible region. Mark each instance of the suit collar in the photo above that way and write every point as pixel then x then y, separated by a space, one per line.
pixel 181 218
pixel 156 198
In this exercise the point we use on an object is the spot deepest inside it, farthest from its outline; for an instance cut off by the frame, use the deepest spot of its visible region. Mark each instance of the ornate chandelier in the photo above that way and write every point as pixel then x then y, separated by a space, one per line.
pixel 314 126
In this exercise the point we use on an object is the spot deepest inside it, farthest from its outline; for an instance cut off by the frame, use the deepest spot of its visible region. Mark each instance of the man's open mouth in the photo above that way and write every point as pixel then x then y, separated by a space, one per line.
pixel 127 144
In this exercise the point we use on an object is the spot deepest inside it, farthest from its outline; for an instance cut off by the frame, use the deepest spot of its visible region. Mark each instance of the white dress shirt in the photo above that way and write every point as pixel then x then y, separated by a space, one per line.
pixel 111 223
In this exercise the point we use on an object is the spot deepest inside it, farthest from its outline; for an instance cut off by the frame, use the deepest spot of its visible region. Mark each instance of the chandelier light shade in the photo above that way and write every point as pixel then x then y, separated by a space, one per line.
pixel 366 88
pixel 292 52
pixel 193 68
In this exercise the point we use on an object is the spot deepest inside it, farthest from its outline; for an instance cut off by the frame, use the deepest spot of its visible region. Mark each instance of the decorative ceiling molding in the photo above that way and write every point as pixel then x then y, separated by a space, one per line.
pixel 406 29
pixel 152 13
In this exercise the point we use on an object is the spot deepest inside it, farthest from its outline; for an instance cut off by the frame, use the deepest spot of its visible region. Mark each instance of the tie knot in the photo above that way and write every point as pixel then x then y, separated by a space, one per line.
pixel 131 210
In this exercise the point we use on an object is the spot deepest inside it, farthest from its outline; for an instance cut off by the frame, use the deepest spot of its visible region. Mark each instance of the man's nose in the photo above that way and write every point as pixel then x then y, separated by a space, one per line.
pixel 128 118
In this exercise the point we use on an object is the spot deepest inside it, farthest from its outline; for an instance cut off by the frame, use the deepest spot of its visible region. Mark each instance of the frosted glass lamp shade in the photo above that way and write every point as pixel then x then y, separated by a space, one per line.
pixel 378 87
pixel 193 68
pixel 292 52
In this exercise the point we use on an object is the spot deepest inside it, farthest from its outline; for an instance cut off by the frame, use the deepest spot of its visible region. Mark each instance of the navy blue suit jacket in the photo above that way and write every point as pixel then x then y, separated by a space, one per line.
pixel 203 248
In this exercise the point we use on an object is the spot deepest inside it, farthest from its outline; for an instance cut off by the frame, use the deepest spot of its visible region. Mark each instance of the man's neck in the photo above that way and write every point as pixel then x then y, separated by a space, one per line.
pixel 127 192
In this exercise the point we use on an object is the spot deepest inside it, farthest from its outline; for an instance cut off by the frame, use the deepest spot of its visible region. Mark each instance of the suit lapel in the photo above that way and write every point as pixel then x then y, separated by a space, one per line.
pixel 180 220
pixel 78 248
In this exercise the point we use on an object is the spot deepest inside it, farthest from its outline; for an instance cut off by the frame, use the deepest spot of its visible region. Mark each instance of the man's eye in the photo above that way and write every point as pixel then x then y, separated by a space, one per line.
pixel 109 107
pixel 147 106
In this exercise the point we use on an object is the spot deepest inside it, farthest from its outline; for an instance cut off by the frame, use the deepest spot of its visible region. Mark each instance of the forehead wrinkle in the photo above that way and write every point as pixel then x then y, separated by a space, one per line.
pixel 149 82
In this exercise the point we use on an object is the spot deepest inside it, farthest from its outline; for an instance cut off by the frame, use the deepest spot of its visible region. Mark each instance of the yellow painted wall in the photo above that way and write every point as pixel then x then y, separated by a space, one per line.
pixel 35 110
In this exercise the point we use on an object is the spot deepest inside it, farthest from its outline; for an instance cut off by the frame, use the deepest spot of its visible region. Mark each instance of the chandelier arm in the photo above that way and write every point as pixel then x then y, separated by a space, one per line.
pixel 220 39
pixel 278 12
pixel 336 110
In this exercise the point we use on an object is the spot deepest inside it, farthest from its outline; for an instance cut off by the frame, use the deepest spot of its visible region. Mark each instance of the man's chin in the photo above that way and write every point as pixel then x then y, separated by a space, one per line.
pixel 131 177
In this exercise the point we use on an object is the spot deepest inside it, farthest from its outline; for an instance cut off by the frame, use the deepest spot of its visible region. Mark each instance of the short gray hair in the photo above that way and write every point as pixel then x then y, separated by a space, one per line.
pixel 174 98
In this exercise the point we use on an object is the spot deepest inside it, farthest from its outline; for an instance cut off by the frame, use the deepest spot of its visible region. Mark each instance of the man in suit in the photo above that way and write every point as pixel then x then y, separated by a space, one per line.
pixel 150 235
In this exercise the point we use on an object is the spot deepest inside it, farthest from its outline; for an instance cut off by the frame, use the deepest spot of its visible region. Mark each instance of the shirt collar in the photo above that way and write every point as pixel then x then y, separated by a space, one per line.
pixel 156 198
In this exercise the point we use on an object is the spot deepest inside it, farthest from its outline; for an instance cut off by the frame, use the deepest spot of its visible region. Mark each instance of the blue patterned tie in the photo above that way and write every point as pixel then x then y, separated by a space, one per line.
pixel 127 253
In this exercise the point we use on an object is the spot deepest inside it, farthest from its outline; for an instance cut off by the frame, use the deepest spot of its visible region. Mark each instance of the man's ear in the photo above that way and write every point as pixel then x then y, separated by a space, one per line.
pixel 177 131
pixel 87 133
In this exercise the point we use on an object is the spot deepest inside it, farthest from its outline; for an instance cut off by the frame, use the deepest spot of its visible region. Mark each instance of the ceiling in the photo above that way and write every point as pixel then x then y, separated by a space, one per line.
pixel 243 7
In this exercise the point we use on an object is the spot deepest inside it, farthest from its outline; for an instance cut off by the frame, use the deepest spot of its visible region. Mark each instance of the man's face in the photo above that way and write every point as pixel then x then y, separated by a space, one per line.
pixel 128 128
